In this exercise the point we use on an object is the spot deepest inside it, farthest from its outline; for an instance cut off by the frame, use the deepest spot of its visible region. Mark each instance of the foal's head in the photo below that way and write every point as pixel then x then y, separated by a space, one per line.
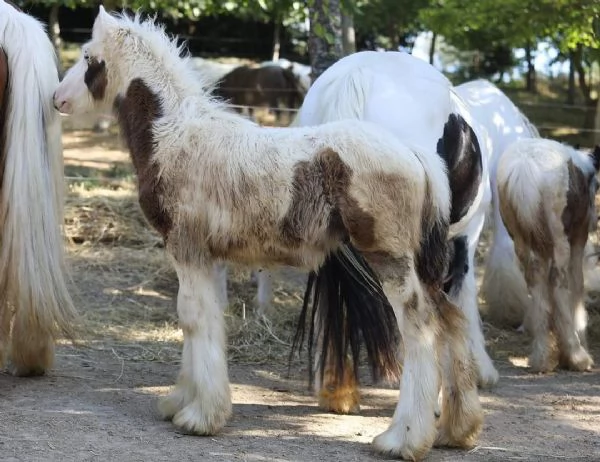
pixel 121 49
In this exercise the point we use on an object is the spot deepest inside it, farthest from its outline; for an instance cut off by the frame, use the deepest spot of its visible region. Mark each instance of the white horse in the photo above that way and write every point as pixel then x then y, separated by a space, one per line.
pixel 219 187
pixel 503 288
pixel 412 100
pixel 547 201
pixel 34 298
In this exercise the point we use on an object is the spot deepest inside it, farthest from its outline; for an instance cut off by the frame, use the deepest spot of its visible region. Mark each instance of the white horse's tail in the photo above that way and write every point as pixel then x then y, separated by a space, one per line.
pixel 32 266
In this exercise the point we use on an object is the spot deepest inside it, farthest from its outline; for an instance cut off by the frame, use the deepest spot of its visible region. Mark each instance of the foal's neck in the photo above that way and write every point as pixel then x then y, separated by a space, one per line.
pixel 171 85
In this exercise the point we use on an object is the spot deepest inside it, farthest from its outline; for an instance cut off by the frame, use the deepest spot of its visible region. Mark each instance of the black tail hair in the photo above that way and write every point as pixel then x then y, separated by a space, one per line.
pixel 347 301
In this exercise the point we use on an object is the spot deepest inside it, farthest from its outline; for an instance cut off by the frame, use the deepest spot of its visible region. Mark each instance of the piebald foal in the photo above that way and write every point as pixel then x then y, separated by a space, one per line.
pixel 219 187
pixel 547 201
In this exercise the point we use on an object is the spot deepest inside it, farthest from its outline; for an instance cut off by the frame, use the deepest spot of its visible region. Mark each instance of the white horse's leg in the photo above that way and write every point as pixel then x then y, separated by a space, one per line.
pixel 220 270
pixel 413 428
pixel 466 299
pixel 264 295
pixel 5 321
pixel 201 400
pixel 503 287
pixel 32 350
pixel 577 277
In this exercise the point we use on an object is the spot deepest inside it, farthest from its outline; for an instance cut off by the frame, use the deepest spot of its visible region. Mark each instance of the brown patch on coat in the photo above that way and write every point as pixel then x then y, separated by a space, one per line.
pixel 4 96
pixel 136 112
pixel 389 267
pixel 95 78
pixel 412 305
pixel 538 238
pixel 576 215
pixel 321 201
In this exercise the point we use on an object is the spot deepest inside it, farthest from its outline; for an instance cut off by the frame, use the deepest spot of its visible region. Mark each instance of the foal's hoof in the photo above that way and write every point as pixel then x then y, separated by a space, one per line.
pixel 194 420
pixel 171 404
pixel 405 442
pixel 488 379
pixel 579 361
pixel 343 400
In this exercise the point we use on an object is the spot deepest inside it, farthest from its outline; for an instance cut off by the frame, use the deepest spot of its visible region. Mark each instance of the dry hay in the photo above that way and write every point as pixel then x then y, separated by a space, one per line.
pixel 108 214
pixel 126 288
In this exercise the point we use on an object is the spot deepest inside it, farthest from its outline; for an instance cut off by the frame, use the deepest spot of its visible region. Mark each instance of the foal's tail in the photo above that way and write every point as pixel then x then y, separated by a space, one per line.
pixel 347 303
pixel 32 267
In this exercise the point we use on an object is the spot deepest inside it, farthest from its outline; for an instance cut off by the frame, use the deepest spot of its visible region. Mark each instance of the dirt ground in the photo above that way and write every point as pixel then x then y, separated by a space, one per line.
pixel 99 402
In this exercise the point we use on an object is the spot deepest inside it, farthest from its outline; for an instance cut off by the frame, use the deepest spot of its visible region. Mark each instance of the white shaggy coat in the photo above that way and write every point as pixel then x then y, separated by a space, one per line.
pixel 546 195
pixel 33 279
pixel 210 157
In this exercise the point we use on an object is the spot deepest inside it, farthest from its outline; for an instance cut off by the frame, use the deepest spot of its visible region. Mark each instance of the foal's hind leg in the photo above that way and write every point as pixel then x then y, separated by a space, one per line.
pixel 572 354
pixel 32 350
pixel 201 400
pixel 264 291
pixel 340 397
pixel 413 429
pixel 462 416
pixel 537 314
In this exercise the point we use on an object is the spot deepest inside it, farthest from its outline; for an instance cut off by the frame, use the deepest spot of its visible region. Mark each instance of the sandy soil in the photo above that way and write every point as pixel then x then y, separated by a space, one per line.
pixel 99 402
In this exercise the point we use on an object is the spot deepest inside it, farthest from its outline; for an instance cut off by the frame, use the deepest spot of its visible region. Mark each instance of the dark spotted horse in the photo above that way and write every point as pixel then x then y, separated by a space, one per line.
pixel 419 105
pixel 35 306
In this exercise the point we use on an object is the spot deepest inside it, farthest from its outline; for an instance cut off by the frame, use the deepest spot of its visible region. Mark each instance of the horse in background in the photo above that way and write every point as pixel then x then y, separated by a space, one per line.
pixel 267 86
pixel 301 71
pixel 504 288
pixel 35 305
pixel 218 187
pixel 547 196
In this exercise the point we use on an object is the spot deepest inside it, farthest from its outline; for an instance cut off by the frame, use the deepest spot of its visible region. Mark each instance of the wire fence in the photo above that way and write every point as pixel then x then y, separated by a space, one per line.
pixel 542 128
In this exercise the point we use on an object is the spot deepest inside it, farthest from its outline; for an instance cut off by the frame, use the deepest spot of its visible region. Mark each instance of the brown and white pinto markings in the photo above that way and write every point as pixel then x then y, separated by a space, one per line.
pixel 35 305
pixel 547 201
pixel 220 188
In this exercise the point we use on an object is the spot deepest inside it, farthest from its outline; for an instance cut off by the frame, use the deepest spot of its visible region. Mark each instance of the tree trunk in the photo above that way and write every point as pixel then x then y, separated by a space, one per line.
pixel 581 74
pixel 531 81
pixel 276 39
pixel 597 124
pixel 585 88
pixel 432 48
pixel 348 35
pixel 571 89
pixel 54 31
pixel 325 37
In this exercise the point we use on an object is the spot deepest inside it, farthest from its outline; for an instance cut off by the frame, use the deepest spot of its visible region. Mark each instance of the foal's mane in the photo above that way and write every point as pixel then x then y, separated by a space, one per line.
pixel 175 57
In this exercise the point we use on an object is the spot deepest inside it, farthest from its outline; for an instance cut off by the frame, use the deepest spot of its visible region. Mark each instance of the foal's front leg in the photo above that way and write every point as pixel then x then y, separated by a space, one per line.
pixel 201 400
pixel 413 429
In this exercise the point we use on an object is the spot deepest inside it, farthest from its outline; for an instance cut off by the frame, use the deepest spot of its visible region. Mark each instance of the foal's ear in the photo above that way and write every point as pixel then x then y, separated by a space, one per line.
pixel 596 157
pixel 104 21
